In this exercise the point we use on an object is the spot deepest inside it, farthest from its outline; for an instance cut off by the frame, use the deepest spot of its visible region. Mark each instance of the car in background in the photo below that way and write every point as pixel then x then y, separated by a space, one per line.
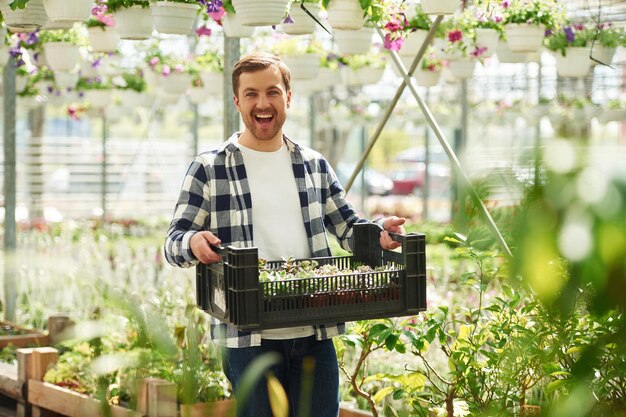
pixel 377 183
pixel 408 175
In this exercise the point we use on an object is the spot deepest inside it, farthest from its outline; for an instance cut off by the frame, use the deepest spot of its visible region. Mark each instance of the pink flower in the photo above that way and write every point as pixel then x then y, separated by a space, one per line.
pixel 478 52
pixel 506 3
pixel 179 68
pixel 455 36
pixel 393 44
pixel 203 31
pixel 154 60
pixel 166 70
pixel 394 25
pixel 498 18
pixel 218 15
pixel 107 19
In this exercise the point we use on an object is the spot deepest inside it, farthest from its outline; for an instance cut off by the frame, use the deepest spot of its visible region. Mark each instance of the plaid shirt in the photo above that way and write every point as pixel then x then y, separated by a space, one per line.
pixel 215 196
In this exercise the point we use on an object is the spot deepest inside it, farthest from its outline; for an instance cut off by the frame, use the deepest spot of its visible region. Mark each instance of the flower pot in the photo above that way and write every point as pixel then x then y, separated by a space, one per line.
pixel 133 99
pixel 260 12
pixel 345 14
pixel 134 23
pixel 302 24
pixel 487 38
pixel 362 76
pixel 61 56
pixel 198 95
pixel 98 98
pixel 326 78
pixel 462 69
pixel 575 63
pixel 174 18
pixel 524 37
pixel 167 99
pixel 233 27
pixel 65 80
pixel 413 43
pixel 175 83
pixel 28 19
pixel 427 78
pixel 506 56
pixel 302 66
pixel 103 39
pixel 353 41
pixel 603 54
pixel 59 25
pixel 68 11
pixel 213 81
pixel 612 115
pixel 440 6
pixel 88 70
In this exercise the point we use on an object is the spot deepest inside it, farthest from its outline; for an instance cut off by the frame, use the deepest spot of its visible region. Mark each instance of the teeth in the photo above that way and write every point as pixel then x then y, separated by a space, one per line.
pixel 264 116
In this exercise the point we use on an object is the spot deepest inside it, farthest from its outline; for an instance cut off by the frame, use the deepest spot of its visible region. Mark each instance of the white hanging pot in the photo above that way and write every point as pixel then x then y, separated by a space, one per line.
pixel 260 12
pixel 487 38
pixel 198 95
pixel 174 18
pixel 326 78
pixel 345 14
pixel 20 83
pixel 440 6
pixel 65 80
pixel 506 56
pixel 302 66
pixel 603 54
pixel 175 83
pixel 58 25
pixel 413 43
pixel 134 23
pixel 462 69
pixel 353 41
pixel 233 28
pixel 103 39
pixel 98 98
pixel 362 76
pixel 575 63
pixel 68 11
pixel 427 78
pixel 212 81
pixel 612 115
pixel 133 99
pixel 524 37
pixel 28 19
pixel 302 24
pixel 61 56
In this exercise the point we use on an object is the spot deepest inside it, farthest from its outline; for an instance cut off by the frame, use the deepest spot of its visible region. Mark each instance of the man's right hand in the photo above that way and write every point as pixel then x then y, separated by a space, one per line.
pixel 200 247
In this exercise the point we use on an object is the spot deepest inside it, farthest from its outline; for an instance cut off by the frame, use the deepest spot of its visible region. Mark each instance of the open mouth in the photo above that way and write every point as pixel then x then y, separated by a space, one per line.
pixel 264 118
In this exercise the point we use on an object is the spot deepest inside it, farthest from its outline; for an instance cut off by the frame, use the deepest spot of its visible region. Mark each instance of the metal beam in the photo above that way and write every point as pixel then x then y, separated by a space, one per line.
pixel 231 115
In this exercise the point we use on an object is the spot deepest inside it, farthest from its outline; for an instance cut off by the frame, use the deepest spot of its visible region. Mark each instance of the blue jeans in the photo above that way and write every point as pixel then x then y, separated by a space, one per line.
pixel 324 398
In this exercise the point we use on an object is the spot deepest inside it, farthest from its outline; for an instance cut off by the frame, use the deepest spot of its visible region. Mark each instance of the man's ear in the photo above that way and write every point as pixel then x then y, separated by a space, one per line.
pixel 236 101
pixel 288 98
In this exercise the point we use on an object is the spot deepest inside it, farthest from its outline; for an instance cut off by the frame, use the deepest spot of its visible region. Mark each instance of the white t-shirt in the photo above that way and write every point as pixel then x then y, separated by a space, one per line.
pixel 275 199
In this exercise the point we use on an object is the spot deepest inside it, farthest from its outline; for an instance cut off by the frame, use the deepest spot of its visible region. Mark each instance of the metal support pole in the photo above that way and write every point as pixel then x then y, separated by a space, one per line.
pixel 10 191
pixel 444 143
pixel 231 115
pixel 460 144
pixel 537 147
pixel 103 185
pixel 426 185
pixel 406 81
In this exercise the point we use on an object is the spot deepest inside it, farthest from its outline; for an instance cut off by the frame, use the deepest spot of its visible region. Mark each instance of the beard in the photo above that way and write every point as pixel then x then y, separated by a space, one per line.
pixel 264 129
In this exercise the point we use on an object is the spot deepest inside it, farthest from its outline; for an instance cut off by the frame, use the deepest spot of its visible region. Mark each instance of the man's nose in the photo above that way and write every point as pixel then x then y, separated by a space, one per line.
pixel 262 101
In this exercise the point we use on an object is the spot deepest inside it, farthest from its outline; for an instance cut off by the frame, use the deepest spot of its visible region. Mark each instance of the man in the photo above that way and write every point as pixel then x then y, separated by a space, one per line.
pixel 261 189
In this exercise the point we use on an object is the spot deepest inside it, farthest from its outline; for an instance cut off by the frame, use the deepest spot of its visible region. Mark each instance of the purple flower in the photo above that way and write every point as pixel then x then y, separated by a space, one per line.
pixel 212 5
pixel 569 34
pixel 288 19
pixel 547 33
pixel 31 38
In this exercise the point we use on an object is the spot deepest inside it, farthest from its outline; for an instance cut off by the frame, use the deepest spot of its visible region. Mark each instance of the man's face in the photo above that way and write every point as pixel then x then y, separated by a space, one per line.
pixel 263 101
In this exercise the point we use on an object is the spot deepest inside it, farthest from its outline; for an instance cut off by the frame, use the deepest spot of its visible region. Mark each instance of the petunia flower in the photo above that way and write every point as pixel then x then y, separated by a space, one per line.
pixel 203 31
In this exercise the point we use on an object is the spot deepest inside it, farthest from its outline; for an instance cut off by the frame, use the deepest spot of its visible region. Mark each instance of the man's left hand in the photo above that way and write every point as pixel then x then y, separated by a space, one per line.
pixel 395 225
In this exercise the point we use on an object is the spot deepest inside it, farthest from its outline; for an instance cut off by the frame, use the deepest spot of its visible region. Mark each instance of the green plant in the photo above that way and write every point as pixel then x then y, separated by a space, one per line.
pixel 610 36
pixel 69 36
pixel 18 4
pixel 92 83
pixel 210 61
pixel 548 13
pixel 357 61
pixel 418 21
pixel 431 63
pixel 130 81
pixel 115 5
pixel 569 37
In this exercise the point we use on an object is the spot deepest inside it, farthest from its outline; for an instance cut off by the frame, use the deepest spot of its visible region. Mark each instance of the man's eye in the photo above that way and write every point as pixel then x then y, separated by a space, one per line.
pixel 250 94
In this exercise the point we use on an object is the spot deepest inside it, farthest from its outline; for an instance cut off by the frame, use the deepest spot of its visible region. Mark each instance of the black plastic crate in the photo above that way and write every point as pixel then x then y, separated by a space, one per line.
pixel 230 290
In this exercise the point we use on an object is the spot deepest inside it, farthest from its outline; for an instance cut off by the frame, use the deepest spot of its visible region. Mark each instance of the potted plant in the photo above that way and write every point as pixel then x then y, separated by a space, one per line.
pixel 173 74
pixel 223 12
pixel 175 17
pixel 131 87
pixel 68 11
pixel 96 90
pixel 608 38
pixel 301 57
pixel 299 22
pixel 350 41
pixel 103 35
pixel 359 70
pixel 133 18
pixel 23 15
pixel 461 52
pixel 260 12
pixel 486 27
pixel 416 28
pixel 344 14
pixel 526 21
pixel 60 48
pixel 428 72
pixel 440 7
pixel 210 70
pixel 571 47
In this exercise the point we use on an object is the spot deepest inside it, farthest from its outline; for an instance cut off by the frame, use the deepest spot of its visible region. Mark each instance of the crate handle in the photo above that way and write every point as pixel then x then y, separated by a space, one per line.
pixel 219 249
pixel 400 238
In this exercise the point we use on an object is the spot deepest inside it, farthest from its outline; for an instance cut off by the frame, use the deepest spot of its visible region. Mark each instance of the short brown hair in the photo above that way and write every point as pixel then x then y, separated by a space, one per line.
pixel 259 61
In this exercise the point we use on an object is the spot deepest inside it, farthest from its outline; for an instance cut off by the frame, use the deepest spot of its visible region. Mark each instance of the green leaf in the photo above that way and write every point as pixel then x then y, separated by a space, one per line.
pixel 377 329
pixel 18 4
pixel 390 341
pixel 399 394
pixel 381 394
pixel 555 385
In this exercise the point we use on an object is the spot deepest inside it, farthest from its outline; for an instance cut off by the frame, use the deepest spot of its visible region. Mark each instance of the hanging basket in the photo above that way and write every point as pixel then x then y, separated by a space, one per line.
pixel 362 76
pixel 462 69
pixel 103 39
pixel 524 37
pixel 175 83
pixel 575 63
pixel 302 66
pixel 260 12
pixel 487 38
pixel 198 95
pixel 440 6
pixel 133 99
pixel 68 11
pixel 65 80
pixel 302 24
pixel 174 18
pixel 134 23
pixel 427 78
pixel 28 19
pixel 506 56
pixel 212 81
pixel 345 14
pixel 98 98
pixel 234 29
pixel 413 43
pixel 61 56
pixel 353 41
pixel 603 54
